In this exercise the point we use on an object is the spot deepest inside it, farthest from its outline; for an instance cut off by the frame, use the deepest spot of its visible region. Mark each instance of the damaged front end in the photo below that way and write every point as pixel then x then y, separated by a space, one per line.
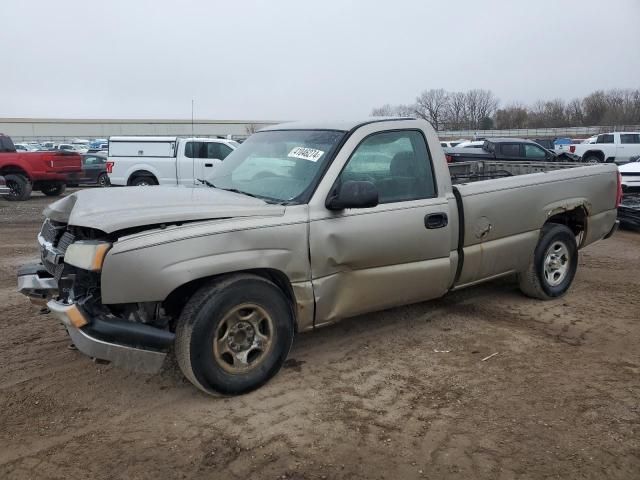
pixel 67 281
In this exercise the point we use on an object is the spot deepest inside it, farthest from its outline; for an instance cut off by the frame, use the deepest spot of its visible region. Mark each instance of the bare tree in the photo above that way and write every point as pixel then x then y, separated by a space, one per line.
pixel 512 116
pixel 594 107
pixel 388 110
pixel 251 128
pixel 574 112
pixel 385 110
pixel 432 105
pixel 455 111
pixel 479 104
pixel 479 109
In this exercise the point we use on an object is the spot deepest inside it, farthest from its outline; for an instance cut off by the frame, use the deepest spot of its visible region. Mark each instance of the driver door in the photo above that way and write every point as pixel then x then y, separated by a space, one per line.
pixel 395 253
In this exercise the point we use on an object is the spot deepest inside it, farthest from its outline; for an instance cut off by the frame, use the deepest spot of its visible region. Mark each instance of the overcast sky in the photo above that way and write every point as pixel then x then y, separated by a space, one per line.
pixel 296 59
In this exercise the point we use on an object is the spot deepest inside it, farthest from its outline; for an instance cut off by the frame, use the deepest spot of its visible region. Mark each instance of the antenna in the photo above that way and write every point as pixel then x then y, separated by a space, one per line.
pixel 192 134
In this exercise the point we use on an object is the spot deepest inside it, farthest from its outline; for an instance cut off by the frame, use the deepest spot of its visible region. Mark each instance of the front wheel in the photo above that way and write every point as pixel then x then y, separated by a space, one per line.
pixel 234 334
pixel 554 264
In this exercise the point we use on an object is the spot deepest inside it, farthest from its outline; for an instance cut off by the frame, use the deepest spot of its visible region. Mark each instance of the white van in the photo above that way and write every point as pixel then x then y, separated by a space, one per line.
pixel 138 161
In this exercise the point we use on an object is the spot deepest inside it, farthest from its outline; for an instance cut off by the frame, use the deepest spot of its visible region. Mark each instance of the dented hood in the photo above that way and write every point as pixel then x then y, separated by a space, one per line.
pixel 113 209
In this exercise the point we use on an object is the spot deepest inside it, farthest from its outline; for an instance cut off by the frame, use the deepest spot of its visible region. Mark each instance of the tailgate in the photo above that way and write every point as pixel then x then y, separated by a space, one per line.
pixel 64 162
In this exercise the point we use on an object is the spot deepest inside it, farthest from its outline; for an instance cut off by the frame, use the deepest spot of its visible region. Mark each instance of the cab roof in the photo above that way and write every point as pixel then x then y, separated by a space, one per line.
pixel 340 125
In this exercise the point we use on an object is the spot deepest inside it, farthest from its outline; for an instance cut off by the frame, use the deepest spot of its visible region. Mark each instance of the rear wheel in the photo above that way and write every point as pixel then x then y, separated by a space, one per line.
pixel 144 181
pixel 19 187
pixel 103 180
pixel 592 159
pixel 234 334
pixel 53 189
pixel 554 264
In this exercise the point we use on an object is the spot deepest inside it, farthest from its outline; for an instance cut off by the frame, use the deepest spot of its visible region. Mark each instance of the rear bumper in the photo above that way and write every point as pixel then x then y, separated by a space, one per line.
pixel 134 346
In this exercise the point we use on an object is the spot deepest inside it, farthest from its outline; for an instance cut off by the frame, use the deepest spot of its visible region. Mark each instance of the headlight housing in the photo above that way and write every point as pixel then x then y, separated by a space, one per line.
pixel 88 255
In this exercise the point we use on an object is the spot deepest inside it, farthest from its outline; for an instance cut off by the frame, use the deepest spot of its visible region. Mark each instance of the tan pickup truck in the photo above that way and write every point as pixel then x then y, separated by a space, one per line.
pixel 301 226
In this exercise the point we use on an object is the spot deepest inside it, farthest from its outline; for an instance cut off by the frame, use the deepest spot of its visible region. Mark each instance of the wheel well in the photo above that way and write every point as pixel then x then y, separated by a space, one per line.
pixel 596 153
pixel 12 169
pixel 176 300
pixel 140 173
pixel 575 219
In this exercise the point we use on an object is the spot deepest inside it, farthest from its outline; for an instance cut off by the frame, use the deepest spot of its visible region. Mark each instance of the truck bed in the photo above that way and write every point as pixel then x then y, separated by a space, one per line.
pixel 467 172
pixel 501 206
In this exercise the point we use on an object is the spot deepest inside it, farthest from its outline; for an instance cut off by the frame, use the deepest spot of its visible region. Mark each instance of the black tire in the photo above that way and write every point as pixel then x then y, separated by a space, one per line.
pixel 592 159
pixel 20 187
pixel 200 323
pixel 144 181
pixel 53 189
pixel 536 281
pixel 103 180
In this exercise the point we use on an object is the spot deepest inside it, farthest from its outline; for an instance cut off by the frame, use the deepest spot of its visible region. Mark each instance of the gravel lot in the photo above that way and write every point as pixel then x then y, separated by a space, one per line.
pixel 397 394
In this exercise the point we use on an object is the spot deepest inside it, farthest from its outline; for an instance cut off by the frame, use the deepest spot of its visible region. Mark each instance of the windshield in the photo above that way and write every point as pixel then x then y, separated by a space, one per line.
pixel 279 165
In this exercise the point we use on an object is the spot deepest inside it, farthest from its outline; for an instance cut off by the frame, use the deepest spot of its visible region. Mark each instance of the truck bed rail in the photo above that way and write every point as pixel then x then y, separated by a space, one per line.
pixel 465 172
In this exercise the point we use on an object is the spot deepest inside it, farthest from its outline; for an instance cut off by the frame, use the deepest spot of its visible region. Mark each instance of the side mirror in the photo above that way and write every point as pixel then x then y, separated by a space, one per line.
pixel 352 194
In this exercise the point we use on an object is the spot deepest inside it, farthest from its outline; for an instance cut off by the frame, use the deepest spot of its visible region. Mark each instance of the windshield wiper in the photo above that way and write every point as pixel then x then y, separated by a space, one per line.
pixel 235 190
pixel 206 182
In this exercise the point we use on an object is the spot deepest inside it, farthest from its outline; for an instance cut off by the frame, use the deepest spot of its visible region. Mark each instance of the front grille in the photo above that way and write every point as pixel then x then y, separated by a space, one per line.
pixel 56 241
pixel 66 240
pixel 50 232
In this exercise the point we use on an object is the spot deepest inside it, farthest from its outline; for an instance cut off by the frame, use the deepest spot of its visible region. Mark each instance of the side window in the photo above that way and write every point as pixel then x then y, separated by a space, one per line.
pixel 606 138
pixel 397 163
pixel 630 138
pixel 188 150
pixel 217 150
pixel 510 150
pixel 534 151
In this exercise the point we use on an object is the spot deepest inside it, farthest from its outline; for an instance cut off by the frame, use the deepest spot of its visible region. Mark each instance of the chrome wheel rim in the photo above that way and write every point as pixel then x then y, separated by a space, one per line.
pixel 102 181
pixel 243 338
pixel 15 189
pixel 556 263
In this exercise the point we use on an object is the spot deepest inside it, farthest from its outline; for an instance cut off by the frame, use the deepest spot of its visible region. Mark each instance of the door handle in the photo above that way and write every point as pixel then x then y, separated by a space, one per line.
pixel 208 164
pixel 436 220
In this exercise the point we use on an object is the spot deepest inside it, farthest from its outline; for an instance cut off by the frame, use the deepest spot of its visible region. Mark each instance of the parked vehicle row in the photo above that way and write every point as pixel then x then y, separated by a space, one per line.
pixel 504 149
pixel 616 147
pixel 48 172
pixel 630 174
pixel 307 224
pixel 145 161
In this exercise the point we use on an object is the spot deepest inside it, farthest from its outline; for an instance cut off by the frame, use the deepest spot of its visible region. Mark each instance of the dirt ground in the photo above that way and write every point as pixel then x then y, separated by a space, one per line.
pixel 399 394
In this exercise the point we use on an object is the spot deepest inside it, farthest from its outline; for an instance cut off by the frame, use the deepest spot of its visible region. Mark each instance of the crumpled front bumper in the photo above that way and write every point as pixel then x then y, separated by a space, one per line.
pixel 80 331
pixel 36 283
pixel 133 346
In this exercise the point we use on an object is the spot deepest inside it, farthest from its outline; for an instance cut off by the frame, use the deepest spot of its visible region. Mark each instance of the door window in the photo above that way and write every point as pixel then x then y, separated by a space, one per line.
pixel 397 163
pixel 510 150
pixel 218 150
pixel 632 138
pixel 606 138
pixel 534 151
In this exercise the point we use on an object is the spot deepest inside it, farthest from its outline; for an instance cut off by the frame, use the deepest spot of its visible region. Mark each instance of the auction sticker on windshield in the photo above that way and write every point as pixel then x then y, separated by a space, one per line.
pixel 304 153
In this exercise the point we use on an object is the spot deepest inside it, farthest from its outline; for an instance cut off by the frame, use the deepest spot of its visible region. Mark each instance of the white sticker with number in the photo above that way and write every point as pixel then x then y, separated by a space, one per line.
pixel 303 153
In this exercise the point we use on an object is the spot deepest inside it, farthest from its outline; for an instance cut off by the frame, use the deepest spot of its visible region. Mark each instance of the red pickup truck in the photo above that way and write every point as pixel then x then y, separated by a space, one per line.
pixel 48 172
